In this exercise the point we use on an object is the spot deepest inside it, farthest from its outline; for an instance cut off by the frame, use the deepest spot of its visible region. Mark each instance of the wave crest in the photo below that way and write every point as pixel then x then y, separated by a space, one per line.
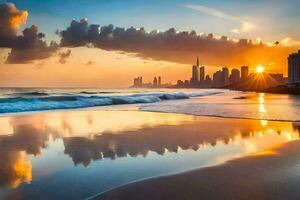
pixel 26 104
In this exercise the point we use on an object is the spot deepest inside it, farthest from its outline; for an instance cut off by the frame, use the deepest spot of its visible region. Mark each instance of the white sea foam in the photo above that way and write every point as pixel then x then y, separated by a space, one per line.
pixel 43 100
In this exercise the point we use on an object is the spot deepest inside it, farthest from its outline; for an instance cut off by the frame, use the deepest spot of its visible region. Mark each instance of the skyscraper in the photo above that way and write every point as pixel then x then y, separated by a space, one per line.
pixel 294 68
pixel 217 76
pixel 159 80
pixel 155 81
pixel 195 73
pixel 202 73
pixel 225 76
pixel 234 76
pixel 244 72
pixel 138 81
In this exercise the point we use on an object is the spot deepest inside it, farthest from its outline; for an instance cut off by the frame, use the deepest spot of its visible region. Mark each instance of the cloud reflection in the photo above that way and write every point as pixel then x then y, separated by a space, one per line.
pixel 146 132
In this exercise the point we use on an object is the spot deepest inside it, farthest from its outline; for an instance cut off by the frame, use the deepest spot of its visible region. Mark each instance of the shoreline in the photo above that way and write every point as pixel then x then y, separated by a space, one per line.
pixel 87 135
pixel 102 108
pixel 201 182
pixel 281 89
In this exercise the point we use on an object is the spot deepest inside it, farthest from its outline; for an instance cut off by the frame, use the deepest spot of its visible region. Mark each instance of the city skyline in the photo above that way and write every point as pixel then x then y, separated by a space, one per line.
pixel 144 44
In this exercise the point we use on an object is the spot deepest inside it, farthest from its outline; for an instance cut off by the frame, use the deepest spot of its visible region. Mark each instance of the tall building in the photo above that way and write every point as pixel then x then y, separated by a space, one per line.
pixel 234 76
pixel 294 68
pixel 208 80
pixel 225 76
pixel 159 80
pixel 138 81
pixel 155 81
pixel 217 77
pixel 195 73
pixel 244 72
pixel 202 74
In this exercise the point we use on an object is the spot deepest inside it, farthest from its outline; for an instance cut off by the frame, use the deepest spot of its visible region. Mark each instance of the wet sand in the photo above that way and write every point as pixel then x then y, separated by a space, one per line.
pixel 50 155
pixel 271 174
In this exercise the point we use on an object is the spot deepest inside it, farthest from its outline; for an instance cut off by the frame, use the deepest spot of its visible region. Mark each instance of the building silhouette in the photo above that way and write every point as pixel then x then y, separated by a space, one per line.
pixel 225 76
pixel 244 72
pixel 195 73
pixel 208 81
pixel 138 81
pixel 159 80
pixel 234 76
pixel 202 74
pixel 155 81
pixel 294 69
pixel 217 79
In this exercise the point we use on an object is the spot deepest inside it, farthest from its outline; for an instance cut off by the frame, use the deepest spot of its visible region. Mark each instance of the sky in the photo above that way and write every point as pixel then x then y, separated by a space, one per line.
pixel 110 62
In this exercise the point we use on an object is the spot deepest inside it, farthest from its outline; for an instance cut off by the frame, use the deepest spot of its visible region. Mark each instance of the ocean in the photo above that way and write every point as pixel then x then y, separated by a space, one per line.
pixel 203 102
pixel 80 143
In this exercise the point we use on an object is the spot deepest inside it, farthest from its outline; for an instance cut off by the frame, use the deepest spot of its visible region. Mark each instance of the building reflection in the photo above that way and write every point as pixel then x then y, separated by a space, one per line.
pixel 163 139
pixel 158 133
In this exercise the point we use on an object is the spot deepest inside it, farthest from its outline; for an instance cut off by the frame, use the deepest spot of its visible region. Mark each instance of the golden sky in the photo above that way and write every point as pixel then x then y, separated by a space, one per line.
pixel 114 64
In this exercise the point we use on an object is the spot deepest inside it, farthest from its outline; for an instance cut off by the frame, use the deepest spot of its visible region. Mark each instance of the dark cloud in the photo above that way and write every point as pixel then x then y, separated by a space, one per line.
pixel 181 47
pixel 26 47
pixel 63 56
pixel 79 33
pixel 30 46
pixel 10 20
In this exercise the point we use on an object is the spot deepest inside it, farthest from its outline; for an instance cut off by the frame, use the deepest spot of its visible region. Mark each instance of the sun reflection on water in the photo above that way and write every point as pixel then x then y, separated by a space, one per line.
pixel 88 136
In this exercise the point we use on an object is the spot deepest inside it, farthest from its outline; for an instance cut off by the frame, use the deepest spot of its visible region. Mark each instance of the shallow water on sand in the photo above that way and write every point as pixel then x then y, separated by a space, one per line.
pixel 211 102
pixel 78 154
pixel 233 104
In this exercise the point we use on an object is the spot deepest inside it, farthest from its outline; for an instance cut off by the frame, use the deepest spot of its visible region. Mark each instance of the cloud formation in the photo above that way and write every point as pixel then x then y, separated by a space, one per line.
pixel 79 33
pixel 10 20
pixel 30 46
pixel 289 42
pixel 171 45
pixel 245 26
pixel 26 47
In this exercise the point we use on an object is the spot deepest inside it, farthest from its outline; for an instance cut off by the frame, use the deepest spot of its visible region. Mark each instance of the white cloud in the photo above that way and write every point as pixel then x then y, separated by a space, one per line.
pixel 289 42
pixel 245 26
pixel 210 11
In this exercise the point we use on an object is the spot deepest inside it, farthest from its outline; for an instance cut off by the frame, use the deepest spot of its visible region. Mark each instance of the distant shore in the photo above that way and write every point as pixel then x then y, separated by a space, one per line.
pixel 281 89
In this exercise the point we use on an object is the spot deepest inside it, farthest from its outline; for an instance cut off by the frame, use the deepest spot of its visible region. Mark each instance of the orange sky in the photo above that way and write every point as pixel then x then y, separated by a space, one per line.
pixel 108 69
pixel 169 58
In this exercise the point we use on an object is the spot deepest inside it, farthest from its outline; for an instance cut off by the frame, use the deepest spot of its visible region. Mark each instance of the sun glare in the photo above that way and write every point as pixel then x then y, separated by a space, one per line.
pixel 260 69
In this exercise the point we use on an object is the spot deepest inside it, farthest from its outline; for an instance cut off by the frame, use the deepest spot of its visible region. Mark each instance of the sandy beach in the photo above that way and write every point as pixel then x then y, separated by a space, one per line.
pixel 149 100
pixel 270 174
pixel 122 151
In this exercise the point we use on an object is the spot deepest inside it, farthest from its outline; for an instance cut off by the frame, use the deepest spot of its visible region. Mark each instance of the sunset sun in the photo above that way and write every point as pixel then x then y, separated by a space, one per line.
pixel 260 69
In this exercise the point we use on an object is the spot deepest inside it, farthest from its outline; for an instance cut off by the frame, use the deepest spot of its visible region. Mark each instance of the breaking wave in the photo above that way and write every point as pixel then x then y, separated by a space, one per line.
pixel 41 101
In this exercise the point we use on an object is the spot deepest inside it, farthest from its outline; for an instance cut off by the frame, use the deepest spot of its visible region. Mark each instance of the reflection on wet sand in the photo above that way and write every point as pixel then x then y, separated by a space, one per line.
pixel 15 167
pixel 260 176
pixel 160 139
pixel 94 135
